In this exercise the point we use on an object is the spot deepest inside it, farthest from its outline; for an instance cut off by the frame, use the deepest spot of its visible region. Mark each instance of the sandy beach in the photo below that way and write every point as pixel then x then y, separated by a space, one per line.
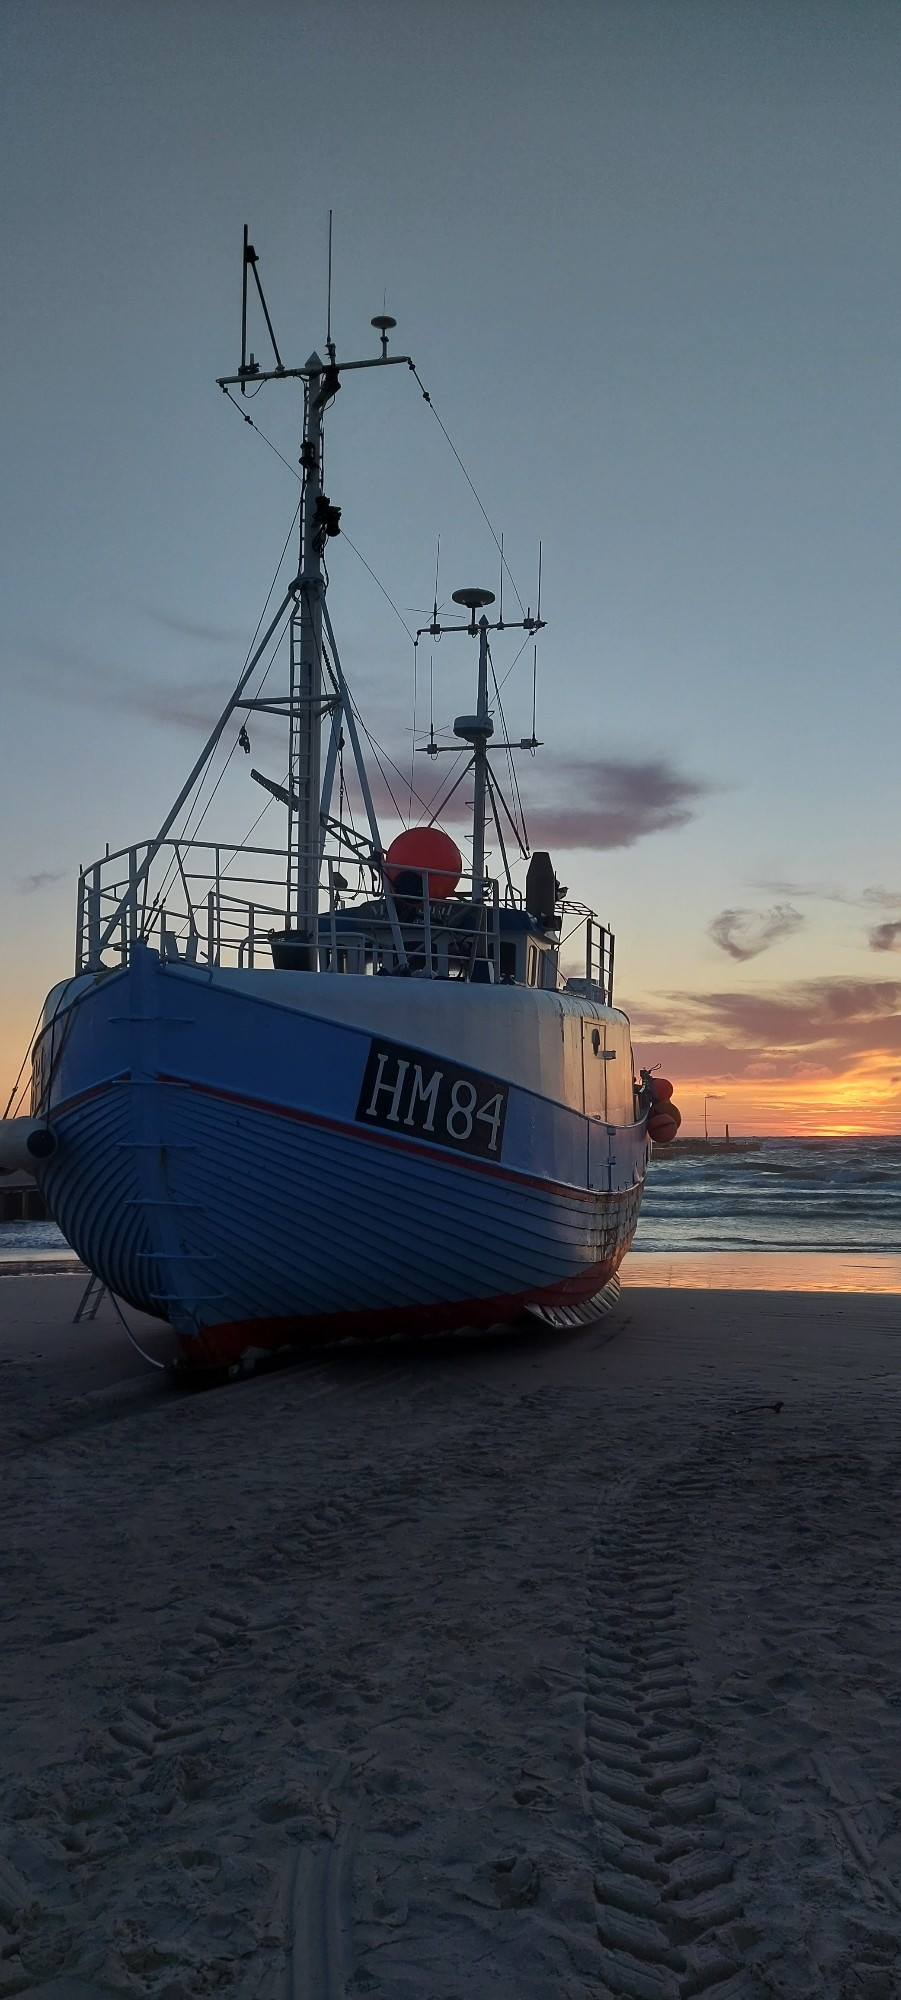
pixel 523 1667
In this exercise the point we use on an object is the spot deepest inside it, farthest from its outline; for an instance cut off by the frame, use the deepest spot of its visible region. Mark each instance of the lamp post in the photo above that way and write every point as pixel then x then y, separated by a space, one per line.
pixel 710 1097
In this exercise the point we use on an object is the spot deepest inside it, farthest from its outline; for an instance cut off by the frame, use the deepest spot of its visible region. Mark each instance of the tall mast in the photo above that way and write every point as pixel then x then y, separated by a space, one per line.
pixel 479 741
pixel 476 729
pixel 308 700
pixel 304 783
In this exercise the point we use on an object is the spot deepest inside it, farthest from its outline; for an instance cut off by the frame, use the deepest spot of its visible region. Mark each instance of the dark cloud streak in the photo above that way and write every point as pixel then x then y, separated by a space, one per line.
pixel 886 937
pixel 75 677
pixel 875 897
pixel 30 884
pixel 800 1014
pixel 745 934
pixel 610 802
pixel 188 628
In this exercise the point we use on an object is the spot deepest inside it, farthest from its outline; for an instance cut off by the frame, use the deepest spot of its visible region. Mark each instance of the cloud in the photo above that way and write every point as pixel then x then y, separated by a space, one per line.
pixel 825 892
pixel 778 1031
pixel 188 628
pixel 746 933
pixel 30 883
pixel 889 899
pixel 78 677
pixel 848 1086
pixel 619 801
pixel 886 937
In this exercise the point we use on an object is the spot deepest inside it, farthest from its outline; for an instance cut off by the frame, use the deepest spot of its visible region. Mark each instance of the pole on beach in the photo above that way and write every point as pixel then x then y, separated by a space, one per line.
pixel 711 1097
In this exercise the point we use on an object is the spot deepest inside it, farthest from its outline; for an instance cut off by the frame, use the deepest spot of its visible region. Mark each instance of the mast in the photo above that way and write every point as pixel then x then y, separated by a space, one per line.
pixel 305 753
pixel 479 739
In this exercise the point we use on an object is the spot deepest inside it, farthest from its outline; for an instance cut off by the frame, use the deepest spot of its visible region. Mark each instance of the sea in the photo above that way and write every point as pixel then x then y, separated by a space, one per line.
pixel 794 1194
pixel 794 1214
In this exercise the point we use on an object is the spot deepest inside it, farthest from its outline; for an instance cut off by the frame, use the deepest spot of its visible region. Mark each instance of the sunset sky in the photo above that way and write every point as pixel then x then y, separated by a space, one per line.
pixel 645 255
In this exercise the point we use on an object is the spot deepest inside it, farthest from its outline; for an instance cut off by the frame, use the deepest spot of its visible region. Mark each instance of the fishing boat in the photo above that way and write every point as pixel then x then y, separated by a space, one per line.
pixel 338 1086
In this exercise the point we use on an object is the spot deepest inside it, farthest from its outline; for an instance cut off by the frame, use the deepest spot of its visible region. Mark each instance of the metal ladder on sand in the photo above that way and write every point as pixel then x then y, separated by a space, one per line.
pixel 93 1295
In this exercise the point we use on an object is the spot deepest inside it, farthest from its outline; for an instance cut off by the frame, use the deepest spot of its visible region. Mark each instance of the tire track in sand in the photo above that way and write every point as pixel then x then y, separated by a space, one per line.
pixel 666 1896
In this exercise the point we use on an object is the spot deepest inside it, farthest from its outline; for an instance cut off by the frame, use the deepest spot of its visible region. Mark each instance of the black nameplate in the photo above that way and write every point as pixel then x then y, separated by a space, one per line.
pixel 406 1091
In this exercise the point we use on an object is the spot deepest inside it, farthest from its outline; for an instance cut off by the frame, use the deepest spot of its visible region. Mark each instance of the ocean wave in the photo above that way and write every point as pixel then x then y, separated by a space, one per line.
pixel 828 1194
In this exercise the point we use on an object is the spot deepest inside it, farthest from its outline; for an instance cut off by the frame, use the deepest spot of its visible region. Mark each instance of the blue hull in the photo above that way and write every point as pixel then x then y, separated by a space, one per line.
pixel 215 1168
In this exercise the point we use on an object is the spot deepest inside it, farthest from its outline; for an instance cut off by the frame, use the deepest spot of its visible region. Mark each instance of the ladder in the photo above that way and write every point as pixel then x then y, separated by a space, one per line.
pixel 94 1292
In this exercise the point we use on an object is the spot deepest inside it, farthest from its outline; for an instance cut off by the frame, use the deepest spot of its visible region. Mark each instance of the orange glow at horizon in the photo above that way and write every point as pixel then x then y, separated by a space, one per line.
pixel 861 1102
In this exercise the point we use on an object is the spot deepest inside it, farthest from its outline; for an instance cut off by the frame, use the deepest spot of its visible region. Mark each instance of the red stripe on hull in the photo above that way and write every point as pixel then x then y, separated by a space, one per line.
pixel 402 1143
pixel 495 1168
pixel 223 1346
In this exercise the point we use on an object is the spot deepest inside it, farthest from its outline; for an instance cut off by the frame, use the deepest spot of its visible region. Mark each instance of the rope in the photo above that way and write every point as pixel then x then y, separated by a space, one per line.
pixel 130 1336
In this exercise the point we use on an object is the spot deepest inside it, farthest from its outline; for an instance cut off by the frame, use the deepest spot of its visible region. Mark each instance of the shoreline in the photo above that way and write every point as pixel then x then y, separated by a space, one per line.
pixel 859 1272
pixel 803 1270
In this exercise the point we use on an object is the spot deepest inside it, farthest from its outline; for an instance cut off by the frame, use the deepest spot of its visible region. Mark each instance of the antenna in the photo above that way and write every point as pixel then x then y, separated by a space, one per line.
pixel 249 366
pixel 383 323
pixel 538 606
pixel 330 345
pixel 431 746
pixel 501 613
pixel 243 368
pixel 435 605
pixel 534 693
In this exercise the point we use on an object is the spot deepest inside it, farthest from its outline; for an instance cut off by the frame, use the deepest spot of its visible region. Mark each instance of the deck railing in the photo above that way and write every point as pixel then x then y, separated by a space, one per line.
pixel 214 903
pixel 204 901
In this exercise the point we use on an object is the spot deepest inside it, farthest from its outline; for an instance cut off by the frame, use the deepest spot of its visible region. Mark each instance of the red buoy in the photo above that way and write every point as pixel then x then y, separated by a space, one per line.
pixel 663 1123
pixel 424 849
pixel 661 1087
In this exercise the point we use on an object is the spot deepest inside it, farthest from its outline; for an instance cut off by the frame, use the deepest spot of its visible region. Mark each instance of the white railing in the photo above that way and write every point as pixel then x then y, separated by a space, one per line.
pixel 203 901
pixel 212 903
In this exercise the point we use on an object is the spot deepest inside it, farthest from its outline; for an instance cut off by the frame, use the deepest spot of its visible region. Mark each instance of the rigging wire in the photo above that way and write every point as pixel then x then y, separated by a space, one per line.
pixel 199 793
pixel 494 792
pixel 514 781
pixel 30 1045
pixel 498 545
pixel 255 427
pixel 375 751
pixel 377 746
pixel 516 657
pixel 186 831
pixel 377 580
pixel 450 793
pixel 190 833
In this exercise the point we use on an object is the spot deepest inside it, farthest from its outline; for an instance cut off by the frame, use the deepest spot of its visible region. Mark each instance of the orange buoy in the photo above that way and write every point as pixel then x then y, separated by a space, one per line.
pixel 421 850
pixel 663 1123
pixel 661 1087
